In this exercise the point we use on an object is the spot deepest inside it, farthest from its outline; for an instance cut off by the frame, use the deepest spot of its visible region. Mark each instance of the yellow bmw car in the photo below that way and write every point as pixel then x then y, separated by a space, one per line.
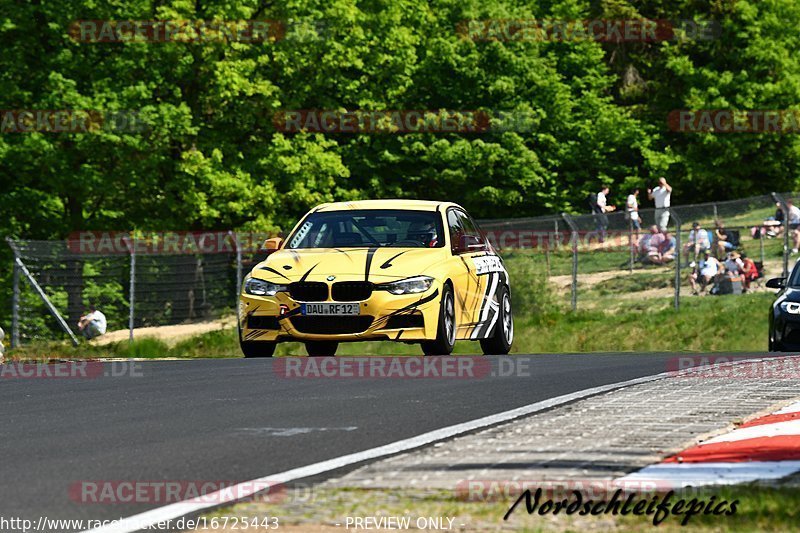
pixel 399 270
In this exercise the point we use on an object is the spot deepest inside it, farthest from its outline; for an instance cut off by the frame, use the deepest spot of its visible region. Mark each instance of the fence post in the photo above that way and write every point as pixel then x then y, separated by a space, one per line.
pixel 678 254
pixel 15 297
pixel 132 287
pixel 46 300
pixel 574 228
pixel 779 198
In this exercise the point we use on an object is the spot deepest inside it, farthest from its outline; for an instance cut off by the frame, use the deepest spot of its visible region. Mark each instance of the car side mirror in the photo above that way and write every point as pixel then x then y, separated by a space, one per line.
pixel 776 283
pixel 272 245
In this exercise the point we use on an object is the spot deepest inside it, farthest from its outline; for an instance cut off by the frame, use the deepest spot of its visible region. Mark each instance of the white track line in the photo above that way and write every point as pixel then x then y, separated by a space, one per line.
pixel 242 491
pixel 698 474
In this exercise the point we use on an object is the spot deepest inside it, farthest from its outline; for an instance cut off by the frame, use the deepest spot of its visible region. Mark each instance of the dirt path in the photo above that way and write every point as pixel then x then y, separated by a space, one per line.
pixel 169 334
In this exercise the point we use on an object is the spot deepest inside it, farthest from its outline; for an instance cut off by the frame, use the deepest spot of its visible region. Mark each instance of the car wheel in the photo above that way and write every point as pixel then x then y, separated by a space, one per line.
pixel 499 343
pixel 252 349
pixel 446 329
pixel 321 348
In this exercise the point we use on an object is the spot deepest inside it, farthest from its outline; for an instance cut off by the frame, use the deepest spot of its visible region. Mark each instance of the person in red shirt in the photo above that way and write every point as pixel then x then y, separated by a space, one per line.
pixel 750 271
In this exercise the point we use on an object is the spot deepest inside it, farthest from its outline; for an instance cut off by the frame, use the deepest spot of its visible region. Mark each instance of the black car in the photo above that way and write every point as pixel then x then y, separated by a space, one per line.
pixel 784 318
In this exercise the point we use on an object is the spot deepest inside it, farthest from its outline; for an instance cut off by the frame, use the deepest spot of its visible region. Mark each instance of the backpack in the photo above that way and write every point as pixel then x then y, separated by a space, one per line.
pixel 591 199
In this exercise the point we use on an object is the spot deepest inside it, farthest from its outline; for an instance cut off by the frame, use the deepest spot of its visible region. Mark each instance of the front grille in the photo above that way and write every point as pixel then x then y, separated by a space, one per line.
pixel 263 322
pixel 351 291
pixel 331 325
pixel 404 322
pixel 308 291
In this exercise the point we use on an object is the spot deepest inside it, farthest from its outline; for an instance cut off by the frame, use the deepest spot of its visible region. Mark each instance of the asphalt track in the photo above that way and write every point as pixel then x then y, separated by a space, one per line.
pixel 236 419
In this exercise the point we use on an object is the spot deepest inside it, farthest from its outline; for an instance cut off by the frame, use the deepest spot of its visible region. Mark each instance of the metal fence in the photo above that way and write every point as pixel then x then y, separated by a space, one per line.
pixel 134 284
pixel 152 281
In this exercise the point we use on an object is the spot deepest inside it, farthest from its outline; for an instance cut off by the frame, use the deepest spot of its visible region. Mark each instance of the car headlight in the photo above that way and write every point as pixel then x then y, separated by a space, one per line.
pixel 259 287
pixel 793 308
pixel 413 285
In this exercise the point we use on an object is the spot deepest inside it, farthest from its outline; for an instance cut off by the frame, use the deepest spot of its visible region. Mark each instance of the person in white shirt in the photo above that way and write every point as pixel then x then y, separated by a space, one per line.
pixel 92 324
pixel 632 210
pixel 794 224
pixel 600 209
pixel 661 196
pixel 703 273
pixel 698 242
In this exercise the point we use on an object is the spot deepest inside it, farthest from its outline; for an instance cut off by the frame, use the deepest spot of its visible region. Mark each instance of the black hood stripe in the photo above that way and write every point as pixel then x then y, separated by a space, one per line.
pixel 370 256
pixel 270 269
pixel 388 262
pixel 309 272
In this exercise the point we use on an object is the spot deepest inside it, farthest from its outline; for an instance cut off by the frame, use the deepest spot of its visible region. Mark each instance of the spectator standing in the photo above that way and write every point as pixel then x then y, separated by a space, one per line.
pixel 661 195
pixel 698 242
pixel 92 324
pixel 632 212
pixel 794 224
pixel 599 209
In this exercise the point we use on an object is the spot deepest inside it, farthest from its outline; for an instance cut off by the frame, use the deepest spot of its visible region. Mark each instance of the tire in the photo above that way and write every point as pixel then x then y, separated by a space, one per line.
pixel 253 349
pixel 321 348
pixel 446 328
pixel 772 345
pixel 499 341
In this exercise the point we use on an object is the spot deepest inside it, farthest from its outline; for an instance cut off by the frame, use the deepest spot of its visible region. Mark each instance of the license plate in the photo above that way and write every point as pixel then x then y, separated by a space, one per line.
pixel 331 309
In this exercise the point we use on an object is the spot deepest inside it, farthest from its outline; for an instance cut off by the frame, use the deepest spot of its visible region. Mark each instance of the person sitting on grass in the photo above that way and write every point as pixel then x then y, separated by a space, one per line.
pixel 92 324
pixel 664 251
pixel 703 273
pixel 698 242
pixel 734 267
pixel 644 242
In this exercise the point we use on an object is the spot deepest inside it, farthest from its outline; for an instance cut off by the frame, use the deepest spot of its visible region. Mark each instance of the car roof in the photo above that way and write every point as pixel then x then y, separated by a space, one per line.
pixel 411 205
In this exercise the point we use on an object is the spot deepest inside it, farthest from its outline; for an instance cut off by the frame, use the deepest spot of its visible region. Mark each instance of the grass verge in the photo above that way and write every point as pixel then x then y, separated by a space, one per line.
pixel 318 509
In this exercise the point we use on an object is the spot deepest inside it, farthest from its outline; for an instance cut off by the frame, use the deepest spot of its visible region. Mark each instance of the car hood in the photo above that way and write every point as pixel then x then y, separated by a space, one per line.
pixel 373 264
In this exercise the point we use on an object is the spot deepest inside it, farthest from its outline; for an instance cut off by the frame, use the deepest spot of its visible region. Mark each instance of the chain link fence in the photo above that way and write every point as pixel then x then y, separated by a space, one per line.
pixel 591 260
pixel 134 282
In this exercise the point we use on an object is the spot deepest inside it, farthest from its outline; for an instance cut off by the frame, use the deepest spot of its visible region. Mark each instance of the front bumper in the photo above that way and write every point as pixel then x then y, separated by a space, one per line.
pixel 787 330
pixel 383 316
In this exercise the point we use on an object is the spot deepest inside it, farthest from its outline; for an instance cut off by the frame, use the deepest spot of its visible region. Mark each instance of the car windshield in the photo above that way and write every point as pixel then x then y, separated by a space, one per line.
pixel 794 278
pixel 374 227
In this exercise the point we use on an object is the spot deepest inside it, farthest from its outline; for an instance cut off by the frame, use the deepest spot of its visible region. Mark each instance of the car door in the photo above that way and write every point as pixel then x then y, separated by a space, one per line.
pixel 467 244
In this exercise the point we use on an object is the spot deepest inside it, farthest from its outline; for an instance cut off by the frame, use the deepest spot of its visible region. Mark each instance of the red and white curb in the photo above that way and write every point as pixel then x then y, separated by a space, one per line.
pixel 765 448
